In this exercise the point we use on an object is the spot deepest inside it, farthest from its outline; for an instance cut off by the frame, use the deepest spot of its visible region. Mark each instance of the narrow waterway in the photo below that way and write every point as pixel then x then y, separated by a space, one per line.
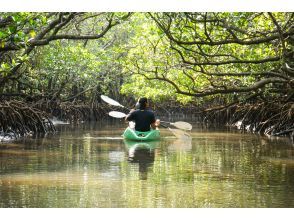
pixel 92 166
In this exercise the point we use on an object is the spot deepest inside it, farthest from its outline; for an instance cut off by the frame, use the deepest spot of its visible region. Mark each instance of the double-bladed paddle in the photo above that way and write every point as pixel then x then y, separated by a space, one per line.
pixel 178 124
pixel 177 132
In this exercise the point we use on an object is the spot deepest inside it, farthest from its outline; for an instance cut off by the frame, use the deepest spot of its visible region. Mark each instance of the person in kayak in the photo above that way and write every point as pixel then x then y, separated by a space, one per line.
pixel 143 117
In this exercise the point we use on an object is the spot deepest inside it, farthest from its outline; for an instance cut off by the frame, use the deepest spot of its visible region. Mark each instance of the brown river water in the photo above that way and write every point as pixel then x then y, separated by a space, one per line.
pixel 91 166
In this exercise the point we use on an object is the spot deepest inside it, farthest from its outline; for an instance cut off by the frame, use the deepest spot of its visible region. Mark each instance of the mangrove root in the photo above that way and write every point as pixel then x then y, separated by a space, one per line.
pixel 18 119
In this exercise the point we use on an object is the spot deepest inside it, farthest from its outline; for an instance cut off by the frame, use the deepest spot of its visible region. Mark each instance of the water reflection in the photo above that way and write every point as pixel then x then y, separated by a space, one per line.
pixel 91 166
pixel 181 144
pixel 142 153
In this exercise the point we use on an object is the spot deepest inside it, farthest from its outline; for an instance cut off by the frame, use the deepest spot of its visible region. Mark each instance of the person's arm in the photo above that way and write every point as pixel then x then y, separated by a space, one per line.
pixel 129 117
pixel 155 124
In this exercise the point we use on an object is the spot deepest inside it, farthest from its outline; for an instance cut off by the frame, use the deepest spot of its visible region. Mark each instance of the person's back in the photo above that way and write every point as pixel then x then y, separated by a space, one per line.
pixel 142 117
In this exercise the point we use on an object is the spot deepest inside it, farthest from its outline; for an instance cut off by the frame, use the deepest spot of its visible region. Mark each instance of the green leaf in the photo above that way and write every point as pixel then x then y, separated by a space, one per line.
pixel 32 33
pixel 12 29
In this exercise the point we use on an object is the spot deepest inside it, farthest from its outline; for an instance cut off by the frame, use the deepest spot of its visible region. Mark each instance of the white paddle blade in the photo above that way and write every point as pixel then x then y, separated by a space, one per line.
pixel 182 125
pixel 180 134
pixel 110 101
pixel 116 114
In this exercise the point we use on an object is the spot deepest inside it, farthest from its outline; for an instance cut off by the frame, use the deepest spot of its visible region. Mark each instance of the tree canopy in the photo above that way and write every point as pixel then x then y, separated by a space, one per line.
pixel 22 34
pixel 188 57
pixel 215 54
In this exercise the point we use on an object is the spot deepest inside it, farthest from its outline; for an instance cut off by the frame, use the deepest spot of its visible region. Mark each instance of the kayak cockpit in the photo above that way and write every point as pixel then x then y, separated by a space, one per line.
pixel 131 134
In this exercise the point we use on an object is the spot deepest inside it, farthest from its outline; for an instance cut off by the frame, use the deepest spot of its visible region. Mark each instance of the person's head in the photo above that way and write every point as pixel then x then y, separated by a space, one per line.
pixel 143 103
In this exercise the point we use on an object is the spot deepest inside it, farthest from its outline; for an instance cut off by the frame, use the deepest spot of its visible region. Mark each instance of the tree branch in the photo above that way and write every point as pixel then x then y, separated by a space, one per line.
pixel 252 41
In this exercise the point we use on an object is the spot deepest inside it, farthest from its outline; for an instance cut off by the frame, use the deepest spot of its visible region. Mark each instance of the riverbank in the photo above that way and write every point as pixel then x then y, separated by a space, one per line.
pixel 21 119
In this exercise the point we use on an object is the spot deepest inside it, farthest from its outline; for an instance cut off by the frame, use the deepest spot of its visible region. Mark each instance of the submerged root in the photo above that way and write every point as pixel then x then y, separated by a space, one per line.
pixel 75 112
pixel 17 119
pixel 272 119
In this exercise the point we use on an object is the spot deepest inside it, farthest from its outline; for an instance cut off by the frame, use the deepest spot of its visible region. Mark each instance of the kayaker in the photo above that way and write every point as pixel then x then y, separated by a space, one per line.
pixel 143 117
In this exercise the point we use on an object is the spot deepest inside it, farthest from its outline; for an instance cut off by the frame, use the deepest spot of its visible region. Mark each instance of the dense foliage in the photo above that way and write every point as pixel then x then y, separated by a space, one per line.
pixel 210 60
pixel 164 55
pixel 235 56
pixel 26 67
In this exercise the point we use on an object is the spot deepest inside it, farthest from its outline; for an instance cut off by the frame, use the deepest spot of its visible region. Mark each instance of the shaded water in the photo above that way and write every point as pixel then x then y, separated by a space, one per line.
pixel 91 166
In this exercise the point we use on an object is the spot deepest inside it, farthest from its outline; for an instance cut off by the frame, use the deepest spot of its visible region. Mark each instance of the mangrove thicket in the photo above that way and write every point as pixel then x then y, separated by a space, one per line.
pixel 229 68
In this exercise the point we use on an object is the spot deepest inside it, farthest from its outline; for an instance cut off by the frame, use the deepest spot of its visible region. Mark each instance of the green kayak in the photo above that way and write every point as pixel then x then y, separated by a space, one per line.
pixel 131 134
pixel 151 145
